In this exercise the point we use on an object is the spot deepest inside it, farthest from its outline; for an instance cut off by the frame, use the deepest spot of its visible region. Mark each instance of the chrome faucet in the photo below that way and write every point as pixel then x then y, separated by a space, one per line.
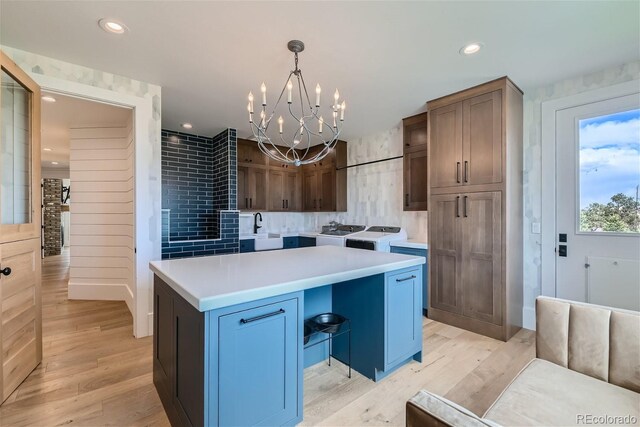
pixel 255 222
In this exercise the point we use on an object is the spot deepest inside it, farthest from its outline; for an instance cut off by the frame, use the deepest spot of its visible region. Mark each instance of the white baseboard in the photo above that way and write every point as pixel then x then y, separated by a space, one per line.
pixel 102 292
pixel 529 318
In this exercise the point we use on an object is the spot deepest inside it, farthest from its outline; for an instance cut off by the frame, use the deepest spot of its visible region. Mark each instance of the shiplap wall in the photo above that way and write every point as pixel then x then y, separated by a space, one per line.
pixel 102 214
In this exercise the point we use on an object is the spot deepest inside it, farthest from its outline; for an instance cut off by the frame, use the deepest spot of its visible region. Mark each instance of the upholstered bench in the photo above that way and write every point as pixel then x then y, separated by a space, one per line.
pixel 586 371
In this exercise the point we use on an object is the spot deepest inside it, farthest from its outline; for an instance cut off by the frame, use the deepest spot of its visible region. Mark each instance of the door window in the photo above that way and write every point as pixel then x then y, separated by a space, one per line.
pixel 15 152
pixel 609 174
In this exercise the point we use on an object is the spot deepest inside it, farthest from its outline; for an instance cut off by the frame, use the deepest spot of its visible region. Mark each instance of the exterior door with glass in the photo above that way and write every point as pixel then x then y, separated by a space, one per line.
pixel 20 201
pixel 597 212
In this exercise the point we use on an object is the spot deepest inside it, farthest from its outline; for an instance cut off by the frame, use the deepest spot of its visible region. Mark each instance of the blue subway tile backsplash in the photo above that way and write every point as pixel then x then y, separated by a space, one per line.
pixel 199 214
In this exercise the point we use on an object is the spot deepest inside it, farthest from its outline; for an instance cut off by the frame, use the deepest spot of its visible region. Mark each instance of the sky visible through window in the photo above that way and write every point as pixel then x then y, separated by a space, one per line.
pixel 610 172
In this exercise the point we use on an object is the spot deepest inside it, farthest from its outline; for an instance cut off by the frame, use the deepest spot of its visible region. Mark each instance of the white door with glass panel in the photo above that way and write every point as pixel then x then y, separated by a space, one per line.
pixel 597 213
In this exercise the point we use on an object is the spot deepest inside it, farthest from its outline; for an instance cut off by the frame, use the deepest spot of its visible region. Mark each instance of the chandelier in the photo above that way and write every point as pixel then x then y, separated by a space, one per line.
pixel 306 126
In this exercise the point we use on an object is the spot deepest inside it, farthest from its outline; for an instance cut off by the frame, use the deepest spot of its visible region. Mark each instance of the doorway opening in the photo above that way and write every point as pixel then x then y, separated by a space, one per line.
pixel 88 183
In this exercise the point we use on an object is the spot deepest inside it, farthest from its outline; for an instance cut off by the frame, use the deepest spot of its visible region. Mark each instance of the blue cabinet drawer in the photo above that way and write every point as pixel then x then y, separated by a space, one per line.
pixel 255 386
pixel 290 242
pixel 305 242
pixel 425 271
pixel 247 245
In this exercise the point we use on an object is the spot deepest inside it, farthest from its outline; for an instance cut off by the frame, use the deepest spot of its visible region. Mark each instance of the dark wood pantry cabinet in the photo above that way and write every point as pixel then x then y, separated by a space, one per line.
pixel 475 209
pixel 415 136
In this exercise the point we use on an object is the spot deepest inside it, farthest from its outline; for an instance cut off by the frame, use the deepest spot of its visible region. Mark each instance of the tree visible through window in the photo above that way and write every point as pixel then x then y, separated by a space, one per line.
pixel 610 173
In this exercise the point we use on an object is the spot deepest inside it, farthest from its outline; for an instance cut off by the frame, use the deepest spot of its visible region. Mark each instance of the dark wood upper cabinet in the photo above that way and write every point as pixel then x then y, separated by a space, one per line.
pixel 252 188
pixel 249 153
pixel 415 177
pixel 284 190
pixel 446 146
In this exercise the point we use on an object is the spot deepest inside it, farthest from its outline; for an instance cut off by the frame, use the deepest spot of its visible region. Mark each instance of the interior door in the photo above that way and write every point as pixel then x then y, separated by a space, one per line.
pixel 445 253
pixel 482 255
pixel 446 146
pixel 20 306
pixel 597 212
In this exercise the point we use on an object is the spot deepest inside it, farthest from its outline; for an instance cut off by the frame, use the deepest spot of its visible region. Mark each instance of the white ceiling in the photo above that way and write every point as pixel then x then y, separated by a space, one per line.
pixel 387 58
pixel 66 113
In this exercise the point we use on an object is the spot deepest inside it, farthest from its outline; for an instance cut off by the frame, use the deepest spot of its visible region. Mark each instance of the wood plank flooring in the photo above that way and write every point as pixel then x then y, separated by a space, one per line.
pixel 95 373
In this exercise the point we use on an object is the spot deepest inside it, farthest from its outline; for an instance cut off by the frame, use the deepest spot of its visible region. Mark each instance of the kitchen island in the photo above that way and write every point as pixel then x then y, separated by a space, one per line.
pixel 229 344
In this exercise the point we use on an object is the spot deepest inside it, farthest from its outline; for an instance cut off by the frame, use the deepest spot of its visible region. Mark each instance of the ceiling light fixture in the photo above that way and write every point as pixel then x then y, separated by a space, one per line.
pixel 48 98
pixel 308 124
pixel 112 26
pixel 54 163
pixel 46 149
pixel 471 48
pixel 187 125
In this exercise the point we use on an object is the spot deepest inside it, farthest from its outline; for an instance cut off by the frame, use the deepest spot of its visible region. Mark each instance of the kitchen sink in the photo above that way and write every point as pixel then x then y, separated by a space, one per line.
pixel 268 243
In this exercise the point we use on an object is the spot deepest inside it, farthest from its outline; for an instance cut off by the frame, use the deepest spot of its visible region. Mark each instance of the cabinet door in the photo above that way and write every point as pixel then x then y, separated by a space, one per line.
pixel 243 188
pixel 276 190
pixel 163 354
pixel 403 307
pixel 259 366
pixel 250 154
pixel 415 180
pixel 481 255
pixel 446 146
pixel 415 132
pixel 327 199
pixel 310 190
pixel 445 245
pixel 482 139
pixel 292 190
pixel 257 189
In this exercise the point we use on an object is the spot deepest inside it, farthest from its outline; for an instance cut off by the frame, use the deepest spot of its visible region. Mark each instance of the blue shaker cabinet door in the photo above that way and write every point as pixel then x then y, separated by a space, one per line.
pixel 258 365
pixel 403 315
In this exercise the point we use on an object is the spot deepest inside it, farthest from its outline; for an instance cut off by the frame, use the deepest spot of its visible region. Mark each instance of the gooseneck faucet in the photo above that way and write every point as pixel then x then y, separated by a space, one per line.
pixel 255 222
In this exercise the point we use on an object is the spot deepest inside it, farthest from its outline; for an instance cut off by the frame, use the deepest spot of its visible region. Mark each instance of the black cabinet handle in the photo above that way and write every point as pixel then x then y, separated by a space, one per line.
pixel 465 206
pixel 250 202
pixel 263 316
pixel 466 171
pixel 6 271
pixel 406 278
pixel 458 172
pixel 282 203
pixel 457 206
pixel 246 202
pixel 406 199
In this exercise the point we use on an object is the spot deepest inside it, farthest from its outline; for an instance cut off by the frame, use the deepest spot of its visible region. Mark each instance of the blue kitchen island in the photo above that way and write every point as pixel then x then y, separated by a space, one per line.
pixel 229 330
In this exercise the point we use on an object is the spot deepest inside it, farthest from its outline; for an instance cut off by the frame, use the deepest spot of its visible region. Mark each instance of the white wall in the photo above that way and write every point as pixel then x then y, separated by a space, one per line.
pixel 533 100
pixel 374 192
pixel 102 214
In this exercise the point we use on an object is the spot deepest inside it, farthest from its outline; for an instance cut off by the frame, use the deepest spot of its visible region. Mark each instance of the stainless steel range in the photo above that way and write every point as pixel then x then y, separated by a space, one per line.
pixel 337 236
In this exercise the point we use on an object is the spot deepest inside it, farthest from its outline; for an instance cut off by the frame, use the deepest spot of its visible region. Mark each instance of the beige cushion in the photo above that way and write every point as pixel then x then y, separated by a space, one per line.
pixel 589 341
pixel 552 331
pixel 547 394
pixel 624 357
pixel 428 409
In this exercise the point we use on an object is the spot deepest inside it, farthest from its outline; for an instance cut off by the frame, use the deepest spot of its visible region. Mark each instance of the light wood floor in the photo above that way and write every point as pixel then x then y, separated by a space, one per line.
pixel 95 373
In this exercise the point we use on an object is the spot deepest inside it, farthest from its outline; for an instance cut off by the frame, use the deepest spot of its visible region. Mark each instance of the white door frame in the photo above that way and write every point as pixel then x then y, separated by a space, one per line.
pixel 146 249
pixel 549 112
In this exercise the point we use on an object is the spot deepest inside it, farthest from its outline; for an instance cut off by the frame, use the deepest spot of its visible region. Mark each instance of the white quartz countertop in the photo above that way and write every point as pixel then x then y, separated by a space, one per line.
pixel 411 243
pixel 220 281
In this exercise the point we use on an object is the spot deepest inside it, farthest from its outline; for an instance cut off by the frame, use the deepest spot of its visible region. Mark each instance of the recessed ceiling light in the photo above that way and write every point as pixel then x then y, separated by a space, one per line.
pixel 112 26
pixel 186 125
pixel 54 163
pixel 48 98
pixel 47 149
pixel 471 48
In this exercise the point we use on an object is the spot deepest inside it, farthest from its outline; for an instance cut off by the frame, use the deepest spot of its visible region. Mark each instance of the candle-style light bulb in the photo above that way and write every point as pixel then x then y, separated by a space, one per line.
pixel 280 122
pixel 289 87
pixel 318 90
pixel 336 96
pixel 250 113
pixel 250 102
pixel 263 89
pixel 320 123
pixel 342 108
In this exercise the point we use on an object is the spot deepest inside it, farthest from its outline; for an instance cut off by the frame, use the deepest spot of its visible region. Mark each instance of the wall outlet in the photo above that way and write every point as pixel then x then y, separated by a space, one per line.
pixel 535 228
